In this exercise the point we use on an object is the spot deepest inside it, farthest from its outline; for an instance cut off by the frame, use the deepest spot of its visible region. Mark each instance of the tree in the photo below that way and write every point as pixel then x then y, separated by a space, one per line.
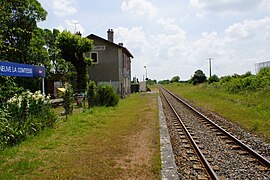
pixel 58 63
pixel 175 79
pixel 18 20
pixel 167 81
pixel 20 39
pixel 199 77
pixel 151 82
pixel 37 53
pixel 213 78
pixel 8 88
pixel 73 47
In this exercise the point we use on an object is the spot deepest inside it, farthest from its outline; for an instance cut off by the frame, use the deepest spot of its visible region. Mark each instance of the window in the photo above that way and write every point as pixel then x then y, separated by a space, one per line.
pixel 94 57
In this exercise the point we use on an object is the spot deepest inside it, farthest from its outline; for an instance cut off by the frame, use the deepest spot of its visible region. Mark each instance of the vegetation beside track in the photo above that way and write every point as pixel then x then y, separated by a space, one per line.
pixel 101 143
pixel 249 110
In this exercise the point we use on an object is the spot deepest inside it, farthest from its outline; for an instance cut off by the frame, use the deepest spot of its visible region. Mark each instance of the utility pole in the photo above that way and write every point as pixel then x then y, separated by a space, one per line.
pixel 75 23
pixel 210 64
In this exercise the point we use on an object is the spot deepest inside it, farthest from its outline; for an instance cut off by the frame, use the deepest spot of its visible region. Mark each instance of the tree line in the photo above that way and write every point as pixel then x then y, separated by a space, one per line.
pixel 235 83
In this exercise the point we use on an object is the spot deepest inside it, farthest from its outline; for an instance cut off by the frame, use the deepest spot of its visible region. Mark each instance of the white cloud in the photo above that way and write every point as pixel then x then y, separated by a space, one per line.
pixel 63 7
pixel 140 8
pixel 267 34
pixel 265 5
pixel 170 25
pixel 248 29
pixel 134 38
pixel 226 6
pixel 156 51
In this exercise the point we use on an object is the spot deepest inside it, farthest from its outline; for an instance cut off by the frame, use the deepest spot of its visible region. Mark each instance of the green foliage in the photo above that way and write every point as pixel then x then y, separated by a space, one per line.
pixel 151 82
pixel 18 20
pixel 164 81
pixel 20 39
pixel 199 77
pixel 91 93
pixel 175 79
pixel 247 82
pixel 213 79
pixel 37 53
pixel 24 116
pixel 68 99
pixel 73 49
pixel 59 64
pixel 106 96
pixel 8 88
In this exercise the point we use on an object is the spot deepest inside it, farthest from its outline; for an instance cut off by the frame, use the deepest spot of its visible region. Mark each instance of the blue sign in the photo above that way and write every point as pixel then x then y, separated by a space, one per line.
pixel 39 71
pixel 22 70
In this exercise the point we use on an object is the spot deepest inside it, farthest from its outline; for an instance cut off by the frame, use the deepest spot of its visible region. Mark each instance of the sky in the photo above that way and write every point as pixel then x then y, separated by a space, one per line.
pixel 173 37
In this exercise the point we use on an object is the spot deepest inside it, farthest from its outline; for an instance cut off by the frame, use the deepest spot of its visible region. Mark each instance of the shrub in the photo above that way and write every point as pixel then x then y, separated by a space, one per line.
pixel 68 98
pixel 106 96
pixel 246 82
pixel 8 88
pixel 91 93
pixel 212 79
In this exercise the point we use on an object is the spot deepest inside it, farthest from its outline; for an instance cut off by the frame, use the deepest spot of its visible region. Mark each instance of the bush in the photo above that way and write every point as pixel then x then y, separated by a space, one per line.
pixel 8 88
pixel 246 82
pixel 213 79
pixel 91 93
pixel 106 96
pixel 68 98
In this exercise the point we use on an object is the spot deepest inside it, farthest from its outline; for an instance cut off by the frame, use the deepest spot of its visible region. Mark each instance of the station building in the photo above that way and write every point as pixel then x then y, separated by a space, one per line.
pixel 111 63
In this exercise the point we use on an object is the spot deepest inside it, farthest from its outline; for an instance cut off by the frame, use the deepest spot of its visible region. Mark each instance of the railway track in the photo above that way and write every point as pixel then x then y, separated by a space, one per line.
pixel 204 150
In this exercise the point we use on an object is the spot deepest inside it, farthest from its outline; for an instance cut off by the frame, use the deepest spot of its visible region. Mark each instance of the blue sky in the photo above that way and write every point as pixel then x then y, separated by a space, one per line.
pixel 174 37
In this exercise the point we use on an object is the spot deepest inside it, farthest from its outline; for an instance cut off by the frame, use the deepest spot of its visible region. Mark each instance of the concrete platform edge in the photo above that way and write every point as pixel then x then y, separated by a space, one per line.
pixel 169 168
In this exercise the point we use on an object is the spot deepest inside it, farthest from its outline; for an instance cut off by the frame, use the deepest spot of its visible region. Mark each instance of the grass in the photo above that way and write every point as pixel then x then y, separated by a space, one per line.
pixel 97 144
pixel 250 110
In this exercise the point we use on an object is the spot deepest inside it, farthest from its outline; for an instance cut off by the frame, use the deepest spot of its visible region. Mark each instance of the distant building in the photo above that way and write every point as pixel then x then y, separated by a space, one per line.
pixel 111 63
pixel 261 65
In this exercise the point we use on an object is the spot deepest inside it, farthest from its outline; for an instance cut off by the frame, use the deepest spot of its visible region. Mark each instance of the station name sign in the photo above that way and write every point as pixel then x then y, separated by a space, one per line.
pixel 99 48
pixel 21 70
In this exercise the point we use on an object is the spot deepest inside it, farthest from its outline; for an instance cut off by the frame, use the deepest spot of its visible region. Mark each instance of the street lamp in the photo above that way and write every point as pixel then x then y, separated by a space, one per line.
pixel 145 73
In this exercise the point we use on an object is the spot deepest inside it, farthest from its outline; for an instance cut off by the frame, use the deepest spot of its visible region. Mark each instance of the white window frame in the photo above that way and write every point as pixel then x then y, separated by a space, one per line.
pixel 97 56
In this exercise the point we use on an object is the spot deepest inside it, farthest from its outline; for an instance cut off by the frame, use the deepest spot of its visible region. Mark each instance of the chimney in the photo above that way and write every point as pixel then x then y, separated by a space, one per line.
pixel 79 33
pixel 110 35
pixel 120 44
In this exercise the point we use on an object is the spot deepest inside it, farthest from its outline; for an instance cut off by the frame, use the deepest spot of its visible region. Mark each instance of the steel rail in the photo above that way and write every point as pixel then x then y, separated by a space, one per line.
pixel 261 159
pixel 206 164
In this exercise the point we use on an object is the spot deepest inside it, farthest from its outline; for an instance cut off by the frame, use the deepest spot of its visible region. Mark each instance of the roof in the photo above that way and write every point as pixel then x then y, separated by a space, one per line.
pixel 92 36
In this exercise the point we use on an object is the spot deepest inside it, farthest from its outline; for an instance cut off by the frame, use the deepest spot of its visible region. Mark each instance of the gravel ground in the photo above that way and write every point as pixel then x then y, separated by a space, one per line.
pixel 229 162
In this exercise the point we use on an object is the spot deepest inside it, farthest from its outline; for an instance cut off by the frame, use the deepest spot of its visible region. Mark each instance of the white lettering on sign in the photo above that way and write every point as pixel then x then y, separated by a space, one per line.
pixel 14 69
pixel 24 70
pixel 99 48
pixel 5 68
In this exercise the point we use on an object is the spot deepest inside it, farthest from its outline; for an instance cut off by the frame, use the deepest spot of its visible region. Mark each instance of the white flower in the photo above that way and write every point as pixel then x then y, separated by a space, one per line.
pixel 20 102
pixel 48 97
